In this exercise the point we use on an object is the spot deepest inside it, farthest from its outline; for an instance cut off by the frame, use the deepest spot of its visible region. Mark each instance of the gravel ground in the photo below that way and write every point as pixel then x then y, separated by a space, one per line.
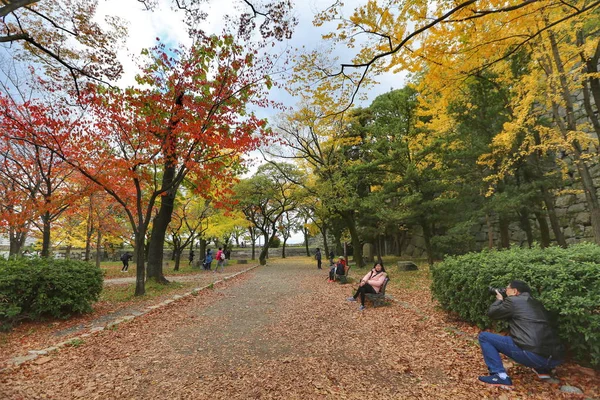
pixel 277 332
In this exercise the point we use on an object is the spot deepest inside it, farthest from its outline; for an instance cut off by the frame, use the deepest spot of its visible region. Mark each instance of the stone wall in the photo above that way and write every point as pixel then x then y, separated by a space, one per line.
pixel 571 210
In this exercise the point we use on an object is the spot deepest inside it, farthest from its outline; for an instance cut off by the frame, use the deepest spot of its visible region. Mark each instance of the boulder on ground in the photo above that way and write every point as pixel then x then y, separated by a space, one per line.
pixel 407 266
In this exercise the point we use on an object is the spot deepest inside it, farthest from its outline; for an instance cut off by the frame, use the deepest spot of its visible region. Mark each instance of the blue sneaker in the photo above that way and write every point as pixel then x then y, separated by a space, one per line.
pixel 351 299
pixel 361 308
pixel 496 380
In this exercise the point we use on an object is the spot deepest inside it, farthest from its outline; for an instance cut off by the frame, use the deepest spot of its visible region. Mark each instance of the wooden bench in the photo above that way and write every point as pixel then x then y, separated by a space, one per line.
pixel 378 299
pixel 343 278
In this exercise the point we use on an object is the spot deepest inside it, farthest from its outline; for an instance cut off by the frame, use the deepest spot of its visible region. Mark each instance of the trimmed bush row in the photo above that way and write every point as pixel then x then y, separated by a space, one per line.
pixel 37 287
pixel 566 281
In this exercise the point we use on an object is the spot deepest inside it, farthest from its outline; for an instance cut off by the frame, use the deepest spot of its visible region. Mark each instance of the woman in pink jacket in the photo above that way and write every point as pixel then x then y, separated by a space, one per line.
pixel 370 283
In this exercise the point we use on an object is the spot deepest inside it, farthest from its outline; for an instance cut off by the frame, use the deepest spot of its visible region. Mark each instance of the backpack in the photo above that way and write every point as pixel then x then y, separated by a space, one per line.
pixel 222 256
pixel 124 257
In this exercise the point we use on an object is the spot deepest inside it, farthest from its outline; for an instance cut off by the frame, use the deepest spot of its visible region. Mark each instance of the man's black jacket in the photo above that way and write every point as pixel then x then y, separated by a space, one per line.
pixel 530 325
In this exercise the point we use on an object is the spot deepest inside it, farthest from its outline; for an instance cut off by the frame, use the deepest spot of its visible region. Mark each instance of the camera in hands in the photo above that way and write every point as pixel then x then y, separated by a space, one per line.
pixel 492 291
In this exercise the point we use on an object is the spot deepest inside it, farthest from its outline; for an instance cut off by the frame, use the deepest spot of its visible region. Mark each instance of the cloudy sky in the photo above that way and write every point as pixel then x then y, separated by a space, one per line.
pixel 166 24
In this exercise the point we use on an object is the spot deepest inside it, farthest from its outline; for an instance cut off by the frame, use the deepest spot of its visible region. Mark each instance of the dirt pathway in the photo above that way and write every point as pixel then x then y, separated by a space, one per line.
pixel 280 332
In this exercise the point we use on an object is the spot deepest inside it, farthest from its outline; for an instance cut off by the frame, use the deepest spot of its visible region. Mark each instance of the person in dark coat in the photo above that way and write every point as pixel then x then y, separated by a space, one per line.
pixel 318 258
pixel 532 342
pixel 125 260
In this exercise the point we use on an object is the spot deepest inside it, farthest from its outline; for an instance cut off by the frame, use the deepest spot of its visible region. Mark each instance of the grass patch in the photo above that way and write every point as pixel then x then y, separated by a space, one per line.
pixel 413 280
pixel 126 293
pixel 75 342
pixel 112 269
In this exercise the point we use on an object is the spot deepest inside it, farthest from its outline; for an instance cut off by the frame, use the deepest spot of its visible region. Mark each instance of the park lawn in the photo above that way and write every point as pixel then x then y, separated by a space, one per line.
pixel 112 269
pixel 115 294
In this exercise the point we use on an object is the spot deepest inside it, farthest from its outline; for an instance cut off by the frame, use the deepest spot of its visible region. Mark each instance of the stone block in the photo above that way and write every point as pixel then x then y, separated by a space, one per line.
pixel 576 208
pixel 407 266
pixel 583 219
pixel 564 201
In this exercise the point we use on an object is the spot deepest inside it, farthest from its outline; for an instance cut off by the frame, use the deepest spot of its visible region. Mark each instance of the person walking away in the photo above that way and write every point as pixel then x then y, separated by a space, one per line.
pixel 331 257
pixel 532 341
pixel 220 260
pixel 125 260
pixel 318 258
pixel 370 283
pixel 191 256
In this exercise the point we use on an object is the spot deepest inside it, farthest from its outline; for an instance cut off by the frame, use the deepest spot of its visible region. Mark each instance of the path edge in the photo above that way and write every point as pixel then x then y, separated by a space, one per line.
pixel 15 362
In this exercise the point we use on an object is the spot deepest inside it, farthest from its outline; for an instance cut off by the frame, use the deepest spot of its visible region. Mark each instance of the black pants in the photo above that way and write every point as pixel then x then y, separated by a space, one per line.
pixel 366 288
pixel 125 265
pixel 319 263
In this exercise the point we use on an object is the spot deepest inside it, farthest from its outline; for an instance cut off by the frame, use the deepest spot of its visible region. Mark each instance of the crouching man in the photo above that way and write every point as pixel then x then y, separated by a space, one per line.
pixel 532 342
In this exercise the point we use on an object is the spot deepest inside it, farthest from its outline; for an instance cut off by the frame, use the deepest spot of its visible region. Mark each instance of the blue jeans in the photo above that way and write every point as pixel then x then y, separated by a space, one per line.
pixel 492 345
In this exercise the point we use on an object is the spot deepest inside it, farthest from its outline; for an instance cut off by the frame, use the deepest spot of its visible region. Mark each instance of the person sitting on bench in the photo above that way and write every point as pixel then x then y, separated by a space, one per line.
pixel 338 268
pixel 370 283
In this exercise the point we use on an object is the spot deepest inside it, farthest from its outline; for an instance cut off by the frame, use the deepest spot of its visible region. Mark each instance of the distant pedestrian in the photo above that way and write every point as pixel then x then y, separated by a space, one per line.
pixel 208 260
pixel 220 260
pixel 125 259
pixel 331 257
pixel 318 258
pixel 191 256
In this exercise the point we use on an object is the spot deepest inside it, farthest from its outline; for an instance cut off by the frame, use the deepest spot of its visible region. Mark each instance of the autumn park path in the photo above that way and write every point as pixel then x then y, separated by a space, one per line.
pixel 279 331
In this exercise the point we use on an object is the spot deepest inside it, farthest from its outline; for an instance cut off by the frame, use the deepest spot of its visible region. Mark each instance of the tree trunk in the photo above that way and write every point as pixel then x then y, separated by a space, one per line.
pixel 554 223
pixel 427 239
pixel 98 248
pixel 490 229
pixel 356 247
pixel 139 253
pixel 264 253
pixel 177 254
pixel 323 230
pixel 46 235
pixel 16 241
pixel 88 246
pixel 544 230
pixel 503 223
pixel 89 232
pixel 305 234
pixel 283 248
pixel 159 227
pixel 339 246
pixel 526 225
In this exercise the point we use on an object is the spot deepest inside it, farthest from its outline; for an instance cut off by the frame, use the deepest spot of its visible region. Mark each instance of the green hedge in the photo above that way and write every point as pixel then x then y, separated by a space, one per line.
pixel 566 281
pixel 37 287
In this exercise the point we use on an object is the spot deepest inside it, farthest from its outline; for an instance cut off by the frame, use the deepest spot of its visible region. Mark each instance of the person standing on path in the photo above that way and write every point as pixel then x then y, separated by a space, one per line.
pixel 208 260
pixel 191 257
pixel 331 257
pixel 318 258
pixel 220 260
pixel 125 259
